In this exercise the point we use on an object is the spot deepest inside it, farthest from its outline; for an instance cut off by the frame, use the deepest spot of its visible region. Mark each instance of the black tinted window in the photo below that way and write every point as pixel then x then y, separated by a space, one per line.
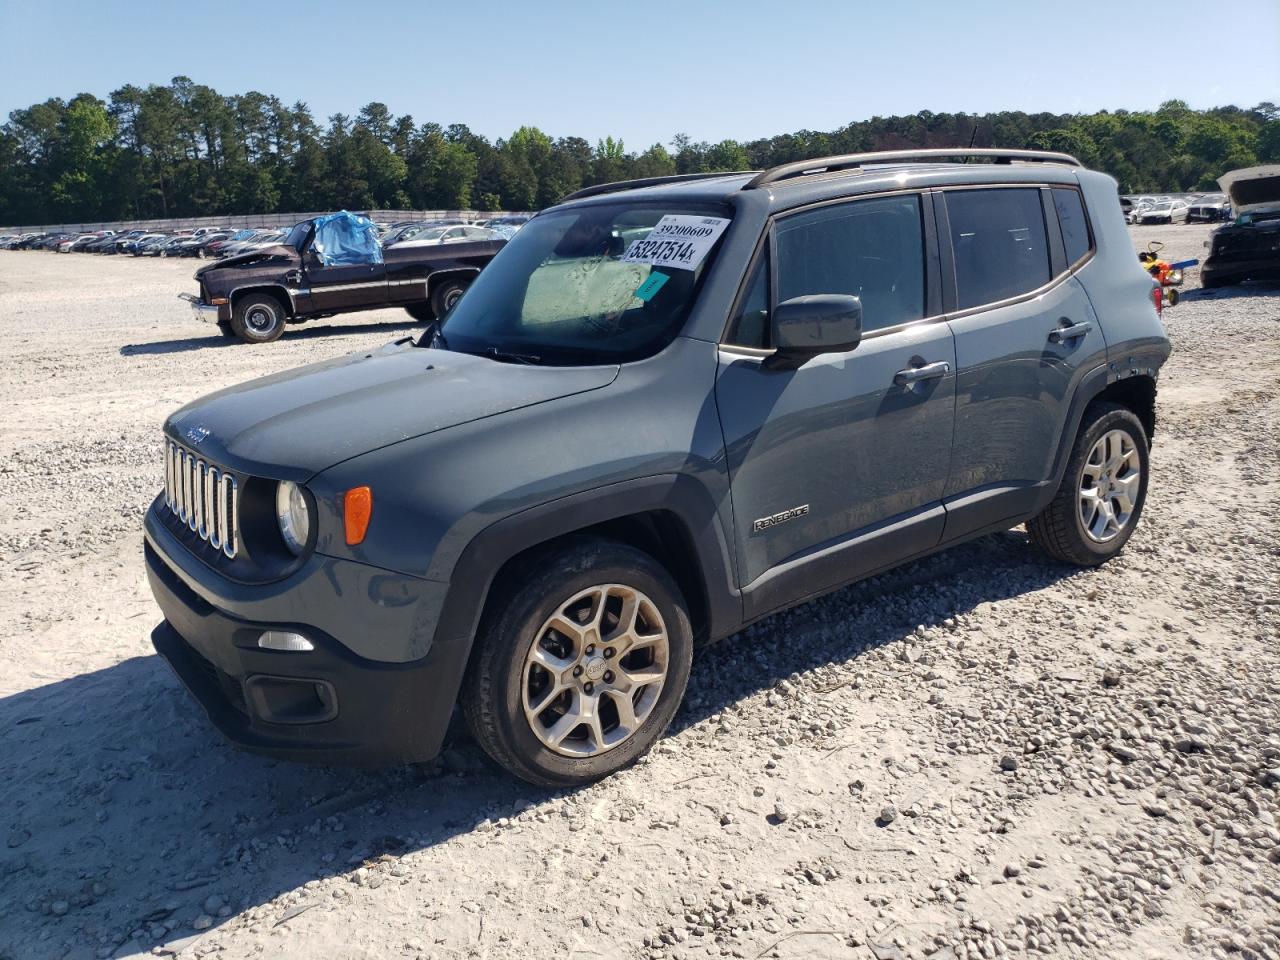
pixel 750 326
pixel 1000 244
pixel 1075 229
pixel 872 249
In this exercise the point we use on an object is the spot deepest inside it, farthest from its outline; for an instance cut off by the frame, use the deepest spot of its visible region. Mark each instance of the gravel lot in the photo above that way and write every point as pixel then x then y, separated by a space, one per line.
pixel 981 754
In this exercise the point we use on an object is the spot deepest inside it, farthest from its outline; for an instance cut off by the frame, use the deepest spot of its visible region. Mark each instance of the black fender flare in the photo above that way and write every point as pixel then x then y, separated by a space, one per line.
pixel 680 495
pixel 1139 363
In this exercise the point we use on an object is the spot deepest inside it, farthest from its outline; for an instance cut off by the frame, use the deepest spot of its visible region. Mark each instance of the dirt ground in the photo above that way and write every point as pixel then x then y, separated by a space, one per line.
pixel 981 754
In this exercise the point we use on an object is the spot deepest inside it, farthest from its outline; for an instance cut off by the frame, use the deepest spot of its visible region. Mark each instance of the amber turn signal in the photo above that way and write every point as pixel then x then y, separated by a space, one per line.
pixel 357 508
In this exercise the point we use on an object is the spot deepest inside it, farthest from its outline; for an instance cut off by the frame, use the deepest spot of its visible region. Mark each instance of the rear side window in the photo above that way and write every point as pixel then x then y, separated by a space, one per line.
pixel 1001 248
pixel 872 249
pixel 1075 228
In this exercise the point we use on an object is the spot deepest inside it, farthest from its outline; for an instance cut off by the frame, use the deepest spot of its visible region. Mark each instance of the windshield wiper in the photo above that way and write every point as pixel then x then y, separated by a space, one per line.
pixel 506 356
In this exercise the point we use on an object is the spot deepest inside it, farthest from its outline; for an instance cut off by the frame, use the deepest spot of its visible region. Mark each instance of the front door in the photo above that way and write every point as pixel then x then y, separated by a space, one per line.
pixel 838 467
pixel 345 286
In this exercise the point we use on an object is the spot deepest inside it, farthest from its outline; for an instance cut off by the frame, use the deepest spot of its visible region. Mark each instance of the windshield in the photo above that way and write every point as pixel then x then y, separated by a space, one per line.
pixel 596 284
pixel 298 235
pixel 1163 206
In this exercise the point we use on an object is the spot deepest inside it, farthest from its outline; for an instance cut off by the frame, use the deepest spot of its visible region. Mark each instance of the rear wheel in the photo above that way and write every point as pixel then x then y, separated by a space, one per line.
pixel 580 664
pixel 446 294
pixel 258 318
pixel 1097 507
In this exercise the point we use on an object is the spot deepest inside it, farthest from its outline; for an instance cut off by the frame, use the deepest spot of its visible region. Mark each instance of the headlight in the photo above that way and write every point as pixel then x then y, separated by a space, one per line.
pixel 294 516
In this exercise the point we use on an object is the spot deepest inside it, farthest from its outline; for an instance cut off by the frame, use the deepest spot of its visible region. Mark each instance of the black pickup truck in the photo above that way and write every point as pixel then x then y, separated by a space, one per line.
pixel 254 295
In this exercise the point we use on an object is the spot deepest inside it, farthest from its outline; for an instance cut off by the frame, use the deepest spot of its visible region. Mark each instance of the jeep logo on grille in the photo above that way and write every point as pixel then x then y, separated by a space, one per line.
pixel 197 434
pixel 764 523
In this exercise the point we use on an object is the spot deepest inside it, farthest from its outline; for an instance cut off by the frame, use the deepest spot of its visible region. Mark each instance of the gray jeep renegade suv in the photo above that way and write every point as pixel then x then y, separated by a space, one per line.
pixel 666 409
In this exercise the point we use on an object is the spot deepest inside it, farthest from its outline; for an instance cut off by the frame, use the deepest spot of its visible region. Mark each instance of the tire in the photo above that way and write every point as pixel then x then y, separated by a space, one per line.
pixel 446 294
pixel 506 691
pixel 258 318
pixel 421 312
pixel 1216 282
pixel 1173 296
pixel 1060 529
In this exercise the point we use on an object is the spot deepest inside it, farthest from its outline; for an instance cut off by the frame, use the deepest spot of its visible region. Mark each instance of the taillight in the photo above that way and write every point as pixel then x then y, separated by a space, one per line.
pixel 1157 297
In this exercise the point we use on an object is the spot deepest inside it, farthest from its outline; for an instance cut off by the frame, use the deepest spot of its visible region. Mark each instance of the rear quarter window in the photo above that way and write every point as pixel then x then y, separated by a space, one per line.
pixel 1074 224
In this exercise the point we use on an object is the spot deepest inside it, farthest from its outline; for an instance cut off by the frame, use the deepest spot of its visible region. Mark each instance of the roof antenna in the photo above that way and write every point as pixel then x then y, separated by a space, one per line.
pixel 974 136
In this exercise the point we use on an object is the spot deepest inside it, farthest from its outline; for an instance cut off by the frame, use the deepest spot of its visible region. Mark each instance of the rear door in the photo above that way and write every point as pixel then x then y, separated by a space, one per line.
pixel 1024 328
pixel 829 454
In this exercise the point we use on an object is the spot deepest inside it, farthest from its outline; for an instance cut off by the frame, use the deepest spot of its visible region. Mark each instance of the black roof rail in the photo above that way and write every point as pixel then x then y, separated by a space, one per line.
pixel 850 161
pixel 602 188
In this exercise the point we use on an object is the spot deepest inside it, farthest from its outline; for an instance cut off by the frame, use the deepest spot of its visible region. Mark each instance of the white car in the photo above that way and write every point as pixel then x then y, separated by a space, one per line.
pixel 433 236
pixel 1163 211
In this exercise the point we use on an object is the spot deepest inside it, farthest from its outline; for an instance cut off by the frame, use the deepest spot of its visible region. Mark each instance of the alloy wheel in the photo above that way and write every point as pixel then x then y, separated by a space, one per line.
pixel 1109 486
pixel 595 670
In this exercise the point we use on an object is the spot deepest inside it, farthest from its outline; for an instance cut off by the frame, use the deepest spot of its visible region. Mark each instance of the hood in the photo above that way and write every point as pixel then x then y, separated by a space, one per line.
pixel 300 422
pixel 241 259
pixel 1252 189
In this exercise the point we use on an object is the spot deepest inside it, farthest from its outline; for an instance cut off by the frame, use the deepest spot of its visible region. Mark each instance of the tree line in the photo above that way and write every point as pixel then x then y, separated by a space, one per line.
pixel 183 149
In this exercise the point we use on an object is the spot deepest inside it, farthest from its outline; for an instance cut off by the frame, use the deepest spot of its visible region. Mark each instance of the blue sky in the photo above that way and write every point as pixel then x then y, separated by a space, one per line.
pixel 647 70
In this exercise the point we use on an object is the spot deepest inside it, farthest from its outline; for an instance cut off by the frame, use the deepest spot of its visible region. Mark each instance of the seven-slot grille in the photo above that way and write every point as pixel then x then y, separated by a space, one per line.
pixel 204 497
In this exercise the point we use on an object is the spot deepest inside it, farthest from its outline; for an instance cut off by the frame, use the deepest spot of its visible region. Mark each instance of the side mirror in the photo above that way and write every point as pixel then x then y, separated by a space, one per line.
pixel 804 327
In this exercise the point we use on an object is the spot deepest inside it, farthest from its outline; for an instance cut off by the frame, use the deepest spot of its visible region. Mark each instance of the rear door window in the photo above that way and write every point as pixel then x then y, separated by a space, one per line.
pixel 1000 244
pixel 872 249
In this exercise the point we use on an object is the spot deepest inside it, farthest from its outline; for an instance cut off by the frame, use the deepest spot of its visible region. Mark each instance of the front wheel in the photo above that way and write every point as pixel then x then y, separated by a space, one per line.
pixel 1097 507
pixel 258 318
pixel 580 664
pixel 446 294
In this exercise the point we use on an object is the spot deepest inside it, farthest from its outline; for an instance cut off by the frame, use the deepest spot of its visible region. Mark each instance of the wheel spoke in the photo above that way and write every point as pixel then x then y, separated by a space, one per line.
pixel 553 693
pixel 555 734
pixel 1125 491
pixel 644 676
pixel 1102 520
pixel 624 633
pixel 563 625
pixel 626 710
pixel 549 661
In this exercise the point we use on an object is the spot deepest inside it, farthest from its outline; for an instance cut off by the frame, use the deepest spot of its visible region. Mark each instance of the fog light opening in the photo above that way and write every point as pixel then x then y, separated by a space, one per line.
pixel 284 640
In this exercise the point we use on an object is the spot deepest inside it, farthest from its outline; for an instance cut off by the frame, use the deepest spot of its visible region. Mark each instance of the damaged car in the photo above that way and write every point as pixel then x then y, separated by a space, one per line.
pixel 1247 248
pixel 330 265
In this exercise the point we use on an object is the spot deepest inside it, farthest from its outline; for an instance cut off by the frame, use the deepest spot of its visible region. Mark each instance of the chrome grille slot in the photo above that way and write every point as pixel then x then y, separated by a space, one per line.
pixel 204 497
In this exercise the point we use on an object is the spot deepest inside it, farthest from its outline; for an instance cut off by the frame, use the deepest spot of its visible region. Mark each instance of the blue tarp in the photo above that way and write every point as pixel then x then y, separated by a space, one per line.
pixel 346 238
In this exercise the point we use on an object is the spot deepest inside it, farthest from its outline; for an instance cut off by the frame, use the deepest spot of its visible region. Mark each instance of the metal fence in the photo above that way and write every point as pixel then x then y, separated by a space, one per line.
pixel 237 221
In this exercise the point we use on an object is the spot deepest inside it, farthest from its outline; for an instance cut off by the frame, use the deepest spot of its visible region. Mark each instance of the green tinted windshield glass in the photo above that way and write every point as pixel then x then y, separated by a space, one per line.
pixel 561 291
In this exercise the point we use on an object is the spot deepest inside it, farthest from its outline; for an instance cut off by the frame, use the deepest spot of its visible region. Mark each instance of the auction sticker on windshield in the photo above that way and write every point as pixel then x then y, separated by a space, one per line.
pixel 678 241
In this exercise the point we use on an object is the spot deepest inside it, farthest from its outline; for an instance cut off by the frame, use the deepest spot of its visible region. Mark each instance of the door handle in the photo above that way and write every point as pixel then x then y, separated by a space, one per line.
pixel 1069 331
pixel 930 371
pixel 293 277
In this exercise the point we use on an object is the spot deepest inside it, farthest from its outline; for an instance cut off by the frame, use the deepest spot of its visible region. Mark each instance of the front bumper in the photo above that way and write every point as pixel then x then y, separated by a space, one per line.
pixel 208 312
pixel 329 705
